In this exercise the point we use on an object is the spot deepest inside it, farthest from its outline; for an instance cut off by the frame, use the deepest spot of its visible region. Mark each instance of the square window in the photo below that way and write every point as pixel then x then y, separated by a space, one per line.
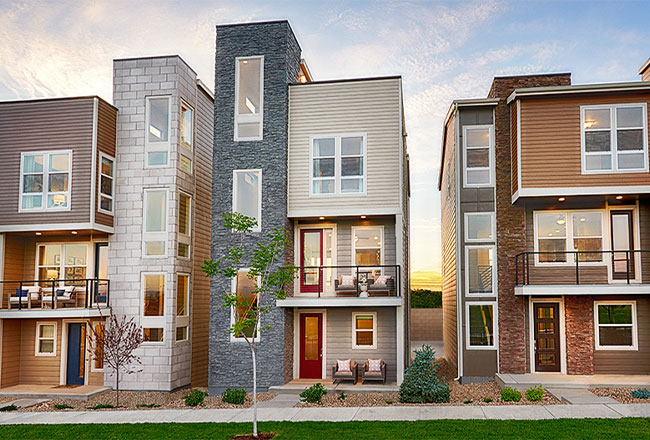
pixel 616 325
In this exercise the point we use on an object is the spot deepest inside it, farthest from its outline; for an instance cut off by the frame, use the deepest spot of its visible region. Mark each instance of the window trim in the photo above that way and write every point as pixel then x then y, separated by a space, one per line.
pixel 233 289
pixel 613 138
pixel 259 118
pixel 183 320
pixel 46 165
pixel 37 351
pixel 493 248
pixel 495 326
pixel 153 321
pixel 337 165
pixel 258 228
pixel 634 326
pixel 490 167
pixel 185 238
pixel 155 236
pixel 153 147
pixel 381 241
pixel 103 156
pixel 355 330
pixel 185 149
pixel 492 227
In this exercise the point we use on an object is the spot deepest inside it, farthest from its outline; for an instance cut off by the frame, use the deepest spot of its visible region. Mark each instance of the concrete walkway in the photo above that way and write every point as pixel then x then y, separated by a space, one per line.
pixel 556 380
pixel 529 412
pixel 578 396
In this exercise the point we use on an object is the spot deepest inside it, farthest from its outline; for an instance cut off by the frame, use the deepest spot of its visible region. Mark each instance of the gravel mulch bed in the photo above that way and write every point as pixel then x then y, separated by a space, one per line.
pixel 620 394
pixel 459 394
pixel 129 400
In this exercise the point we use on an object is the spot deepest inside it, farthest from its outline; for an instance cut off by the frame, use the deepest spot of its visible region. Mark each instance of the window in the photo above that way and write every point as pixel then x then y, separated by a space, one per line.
pixel 98 361
pixel 45 181
pixel 184 225
pixel 181 334
pixel 245 287
pixel 154 237
pixel 614 138
pixel 480 270
pixel 247 195
pixel 153 334
pixel 479 226
pixel 338 165
pixel 182 306
pixel 559 232
pixel 45 339
pixel 364 330
pixel 106 183
pixel 481 331
pixel 616 325
pixel 477 145
pixel 249 98
pixel 153 306
pixel 368 245
pixel 157 136
pixel 66 261
pixel 187 137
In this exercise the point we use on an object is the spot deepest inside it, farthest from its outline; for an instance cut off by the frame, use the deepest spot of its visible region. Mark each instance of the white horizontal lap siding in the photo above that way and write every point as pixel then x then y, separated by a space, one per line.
pixel 370 107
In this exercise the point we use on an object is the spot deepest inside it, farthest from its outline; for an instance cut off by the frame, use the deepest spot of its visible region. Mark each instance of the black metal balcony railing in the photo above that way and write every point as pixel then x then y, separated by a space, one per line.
pixel 587 267
pixel 55 294
pixel 365 280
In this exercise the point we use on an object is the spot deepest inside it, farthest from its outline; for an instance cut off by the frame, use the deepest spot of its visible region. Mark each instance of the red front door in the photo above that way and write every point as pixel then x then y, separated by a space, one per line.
pixel 311 255
pixel 311 346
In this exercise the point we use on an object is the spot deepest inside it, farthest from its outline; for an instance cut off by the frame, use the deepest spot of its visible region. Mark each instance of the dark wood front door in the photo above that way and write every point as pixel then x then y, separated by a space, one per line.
pixel 311 346
pixel 311 255
pixel 622 240
pixel 547 336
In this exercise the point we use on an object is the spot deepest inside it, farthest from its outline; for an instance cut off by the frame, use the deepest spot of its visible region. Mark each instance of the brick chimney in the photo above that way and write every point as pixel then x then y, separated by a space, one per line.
pixel 644 71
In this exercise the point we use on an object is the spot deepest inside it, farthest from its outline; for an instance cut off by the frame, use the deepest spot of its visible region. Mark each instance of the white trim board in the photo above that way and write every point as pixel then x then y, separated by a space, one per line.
pixel 581 191
pixel 583 289
pixel 353 211
pixel 393 301
pixel 56 227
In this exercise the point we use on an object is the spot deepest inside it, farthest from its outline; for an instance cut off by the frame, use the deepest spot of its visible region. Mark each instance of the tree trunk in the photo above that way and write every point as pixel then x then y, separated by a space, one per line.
pixel 254 391
pixel 117 387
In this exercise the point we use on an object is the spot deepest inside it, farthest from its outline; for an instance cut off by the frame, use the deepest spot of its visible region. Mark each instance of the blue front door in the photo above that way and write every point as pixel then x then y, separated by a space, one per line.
pixel 76 354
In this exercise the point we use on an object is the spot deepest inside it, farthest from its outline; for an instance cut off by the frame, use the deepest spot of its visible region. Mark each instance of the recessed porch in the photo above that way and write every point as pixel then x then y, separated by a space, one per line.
pixel 558 380
pixel 27 391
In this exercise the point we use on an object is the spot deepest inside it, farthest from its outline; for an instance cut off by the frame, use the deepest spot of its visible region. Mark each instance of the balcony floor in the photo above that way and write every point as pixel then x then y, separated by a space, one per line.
pixel 83 392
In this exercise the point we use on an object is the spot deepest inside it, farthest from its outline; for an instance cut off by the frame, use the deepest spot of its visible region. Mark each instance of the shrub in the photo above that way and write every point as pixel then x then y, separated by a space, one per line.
pixel 236 396
pixel 535 394
pixel 467 401
pixel 421 383
pixel 425 299
pixel 63 406
pixel 195 398
pixel 487 400
pixel 641 393
pixel 510 395
pixel 102 406
pixel 342 395
pixel 9 408
pixel 314 394
pixel 147 405
pixel 389 402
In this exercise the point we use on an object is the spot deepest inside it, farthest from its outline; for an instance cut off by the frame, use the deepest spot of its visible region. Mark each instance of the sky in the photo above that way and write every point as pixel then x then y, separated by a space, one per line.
pixel 443 50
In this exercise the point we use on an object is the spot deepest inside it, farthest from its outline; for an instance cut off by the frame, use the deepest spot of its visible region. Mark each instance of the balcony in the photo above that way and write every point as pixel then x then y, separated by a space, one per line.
pixel 54 296
pixel 581 272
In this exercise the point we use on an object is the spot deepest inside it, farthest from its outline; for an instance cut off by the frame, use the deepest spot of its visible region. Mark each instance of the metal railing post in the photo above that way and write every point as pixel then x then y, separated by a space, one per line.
pixel 575 254
pixel 20 296
pixel 319 280
pixel 627 263
pixel 357 279
pixel 527 269
pixel 53 294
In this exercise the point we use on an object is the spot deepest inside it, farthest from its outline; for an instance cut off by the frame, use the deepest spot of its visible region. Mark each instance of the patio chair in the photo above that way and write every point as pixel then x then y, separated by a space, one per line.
pixel 352 374
pixel 375 373
pixel 64 296
pixel 25 297
pixel 345 285
pixel 383 285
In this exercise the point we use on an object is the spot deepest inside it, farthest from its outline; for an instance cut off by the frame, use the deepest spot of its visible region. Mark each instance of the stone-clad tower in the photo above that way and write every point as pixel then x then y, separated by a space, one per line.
pixel 254 64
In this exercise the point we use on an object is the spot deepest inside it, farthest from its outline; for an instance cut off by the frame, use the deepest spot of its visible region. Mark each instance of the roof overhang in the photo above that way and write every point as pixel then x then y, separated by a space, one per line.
pixel 583 289
pixel 580 88
pixel 306 302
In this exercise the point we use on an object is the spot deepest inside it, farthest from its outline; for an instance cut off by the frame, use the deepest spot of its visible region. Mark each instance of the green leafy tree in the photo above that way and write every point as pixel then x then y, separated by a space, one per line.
pixel 268 276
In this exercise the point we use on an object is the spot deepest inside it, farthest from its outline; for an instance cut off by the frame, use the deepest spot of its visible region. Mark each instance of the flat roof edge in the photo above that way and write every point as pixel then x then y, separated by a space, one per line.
pixel 579 88
pixel 328 81
pixel 56 98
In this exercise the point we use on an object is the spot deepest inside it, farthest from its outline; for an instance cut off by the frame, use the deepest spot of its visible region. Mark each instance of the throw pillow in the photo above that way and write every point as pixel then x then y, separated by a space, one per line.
pixel 374 364
pixel 347 280
pixel 381 279
pixel 344 365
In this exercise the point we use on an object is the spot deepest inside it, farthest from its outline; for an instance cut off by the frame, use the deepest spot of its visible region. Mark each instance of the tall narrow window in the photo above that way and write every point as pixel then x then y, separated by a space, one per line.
pixel 45 180
pixel 587 230
pixel 157 137
pixel 479 270
pixel 352 164
pixel 245 287
pixel 153 307
pixel 184 224
pixel 480 325
pixel 551 237
pixel 187 137
pixel 477 143
pixel 106 183
pixel 182 306
pixel 155 223
pixel 247 195
pixel 324 166
pixel 249 98
pixel 98 357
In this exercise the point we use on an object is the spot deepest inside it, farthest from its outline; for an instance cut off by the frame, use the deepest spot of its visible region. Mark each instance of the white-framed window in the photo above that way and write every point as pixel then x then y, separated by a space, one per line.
pixel 187 137
pixel 479 226
pixel 154 224
pixel 62 261
pixel 615 325
pixel 249 98
pixel 247 194
pixel 182 306
pixel 480 270
pixel 184 224
pixel 153 306
pixel 106 183
pixel 338 164
pixel 368 245
pixel 156 145
pixel 45 339
pixel 557 232
pixel 614 138
pixel 478 154
pixel 481 328
pixel 245 287
pixel 364 330
pixel 97 362
pixel 45 180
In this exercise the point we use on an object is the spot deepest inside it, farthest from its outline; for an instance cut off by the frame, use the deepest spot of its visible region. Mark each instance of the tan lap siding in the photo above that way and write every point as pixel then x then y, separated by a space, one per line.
pixel 13 264
pixel 11 330
pixel 339 339
pixel 39 370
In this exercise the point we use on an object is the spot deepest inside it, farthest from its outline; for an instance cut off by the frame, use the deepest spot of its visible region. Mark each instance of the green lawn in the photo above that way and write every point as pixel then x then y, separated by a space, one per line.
pixel 435 429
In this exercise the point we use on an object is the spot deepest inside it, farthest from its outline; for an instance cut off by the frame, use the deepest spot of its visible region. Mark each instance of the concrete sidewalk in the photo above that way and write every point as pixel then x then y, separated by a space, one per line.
pixel 529 412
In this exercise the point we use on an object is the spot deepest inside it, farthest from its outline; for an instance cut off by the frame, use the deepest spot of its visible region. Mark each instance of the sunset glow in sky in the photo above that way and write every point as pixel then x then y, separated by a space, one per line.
pixel 443 50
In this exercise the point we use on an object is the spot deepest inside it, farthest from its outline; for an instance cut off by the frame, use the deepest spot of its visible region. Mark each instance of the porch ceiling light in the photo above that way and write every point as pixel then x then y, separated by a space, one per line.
pixel 74 232
pixel 561 199
pixel 39 233
pixel 321 218
pixel 363 216
pixel 619 197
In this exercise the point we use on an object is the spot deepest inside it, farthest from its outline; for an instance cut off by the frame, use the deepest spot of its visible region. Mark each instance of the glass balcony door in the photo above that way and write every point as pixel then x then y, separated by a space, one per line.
pixel 622 230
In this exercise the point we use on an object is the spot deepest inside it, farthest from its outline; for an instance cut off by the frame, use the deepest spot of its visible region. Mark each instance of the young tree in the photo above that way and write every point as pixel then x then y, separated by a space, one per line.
pixel 268 276
pixel 114 344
